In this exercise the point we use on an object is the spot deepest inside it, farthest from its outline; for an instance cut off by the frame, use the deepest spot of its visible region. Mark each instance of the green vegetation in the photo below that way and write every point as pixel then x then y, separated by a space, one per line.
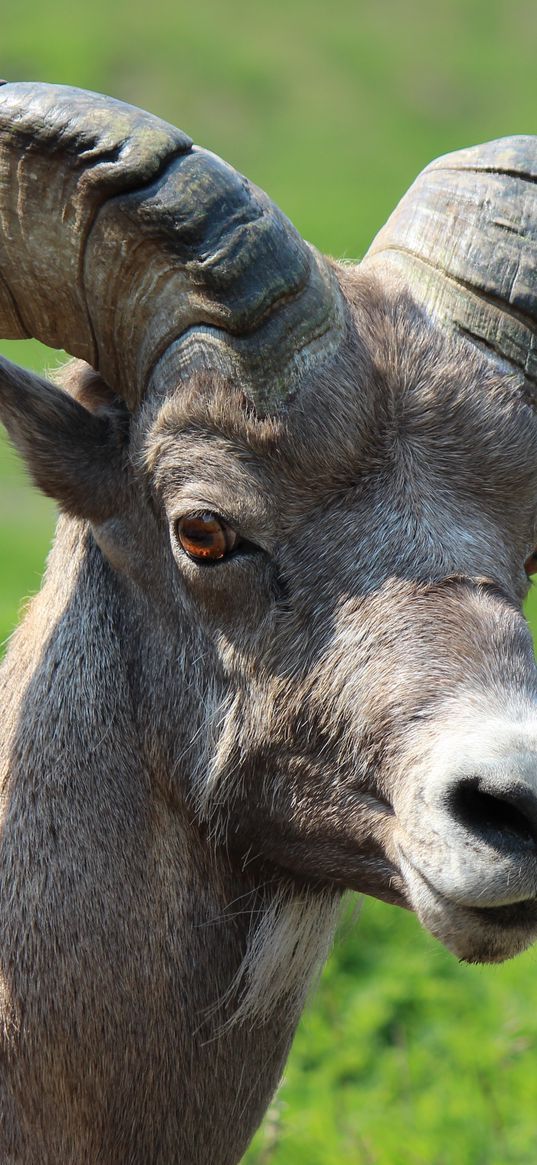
pixel 405 1057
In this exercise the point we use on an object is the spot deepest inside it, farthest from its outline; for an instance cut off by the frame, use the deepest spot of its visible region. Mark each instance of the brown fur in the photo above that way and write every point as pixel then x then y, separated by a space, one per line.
pixel 196 761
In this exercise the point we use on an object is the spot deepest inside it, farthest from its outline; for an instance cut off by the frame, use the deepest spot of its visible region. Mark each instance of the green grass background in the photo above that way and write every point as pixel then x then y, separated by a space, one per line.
pixel 404 1057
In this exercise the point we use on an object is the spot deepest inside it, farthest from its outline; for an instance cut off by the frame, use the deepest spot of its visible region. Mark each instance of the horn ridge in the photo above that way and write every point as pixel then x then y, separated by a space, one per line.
pixel 463 241
pixel 122 237
pixel 489 297
pixel 188 264
pixel 513 156
pixel 518 174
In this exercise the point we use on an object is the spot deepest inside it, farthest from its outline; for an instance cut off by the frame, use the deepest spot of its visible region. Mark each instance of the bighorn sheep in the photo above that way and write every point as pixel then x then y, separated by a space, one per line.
pixel 279 649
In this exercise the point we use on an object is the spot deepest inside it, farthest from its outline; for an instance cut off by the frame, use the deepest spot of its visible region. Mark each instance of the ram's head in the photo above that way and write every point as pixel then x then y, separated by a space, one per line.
pixel 316 485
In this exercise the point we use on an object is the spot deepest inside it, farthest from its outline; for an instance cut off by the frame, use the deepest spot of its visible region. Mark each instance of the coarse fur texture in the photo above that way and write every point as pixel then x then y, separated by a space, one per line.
pixel 198 758
pixel 143 782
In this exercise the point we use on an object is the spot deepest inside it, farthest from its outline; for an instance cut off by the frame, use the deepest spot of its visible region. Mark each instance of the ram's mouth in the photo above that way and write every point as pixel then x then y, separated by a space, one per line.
pixel 515 915
pixel 474 933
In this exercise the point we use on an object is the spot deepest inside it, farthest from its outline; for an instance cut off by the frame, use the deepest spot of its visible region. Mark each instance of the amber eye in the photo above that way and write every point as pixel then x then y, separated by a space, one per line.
pixel 530 565
pixel 206 536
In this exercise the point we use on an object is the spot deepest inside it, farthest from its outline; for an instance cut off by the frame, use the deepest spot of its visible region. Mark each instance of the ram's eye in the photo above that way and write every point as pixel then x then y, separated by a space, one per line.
pixel 206 536
pixel 530 565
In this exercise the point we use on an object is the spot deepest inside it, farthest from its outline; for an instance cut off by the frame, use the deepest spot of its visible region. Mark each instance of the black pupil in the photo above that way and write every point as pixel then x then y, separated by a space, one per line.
pixel 202 531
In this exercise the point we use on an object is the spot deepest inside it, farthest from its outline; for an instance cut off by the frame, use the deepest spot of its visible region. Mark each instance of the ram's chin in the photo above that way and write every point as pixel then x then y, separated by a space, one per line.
pixel 475 934
pixel 474 938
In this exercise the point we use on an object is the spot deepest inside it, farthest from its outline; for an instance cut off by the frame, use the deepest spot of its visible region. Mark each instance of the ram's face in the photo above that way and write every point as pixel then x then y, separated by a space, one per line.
pixel 335 560
pixel 358 569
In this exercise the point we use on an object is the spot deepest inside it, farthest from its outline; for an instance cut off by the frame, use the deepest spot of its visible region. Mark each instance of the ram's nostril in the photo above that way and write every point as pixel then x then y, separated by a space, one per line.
pixel 505 818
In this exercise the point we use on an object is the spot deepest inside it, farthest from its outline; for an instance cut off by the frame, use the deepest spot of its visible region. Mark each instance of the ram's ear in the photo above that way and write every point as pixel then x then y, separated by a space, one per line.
pixel 74 455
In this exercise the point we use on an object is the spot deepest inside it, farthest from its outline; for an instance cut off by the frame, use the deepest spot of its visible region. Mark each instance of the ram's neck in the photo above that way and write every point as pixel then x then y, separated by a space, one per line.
pixel 122 929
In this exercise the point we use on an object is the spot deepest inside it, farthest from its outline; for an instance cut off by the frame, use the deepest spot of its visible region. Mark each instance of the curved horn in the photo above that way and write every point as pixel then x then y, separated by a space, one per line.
pixel 131 248
pixel 464 240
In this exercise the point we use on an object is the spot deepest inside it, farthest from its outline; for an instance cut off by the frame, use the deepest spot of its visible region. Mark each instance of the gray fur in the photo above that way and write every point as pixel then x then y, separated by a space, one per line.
pixel 196 761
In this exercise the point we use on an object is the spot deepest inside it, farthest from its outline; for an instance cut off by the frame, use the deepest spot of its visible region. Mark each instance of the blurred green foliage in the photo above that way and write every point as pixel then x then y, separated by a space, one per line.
pixel 405 1057
pixel 408 1058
